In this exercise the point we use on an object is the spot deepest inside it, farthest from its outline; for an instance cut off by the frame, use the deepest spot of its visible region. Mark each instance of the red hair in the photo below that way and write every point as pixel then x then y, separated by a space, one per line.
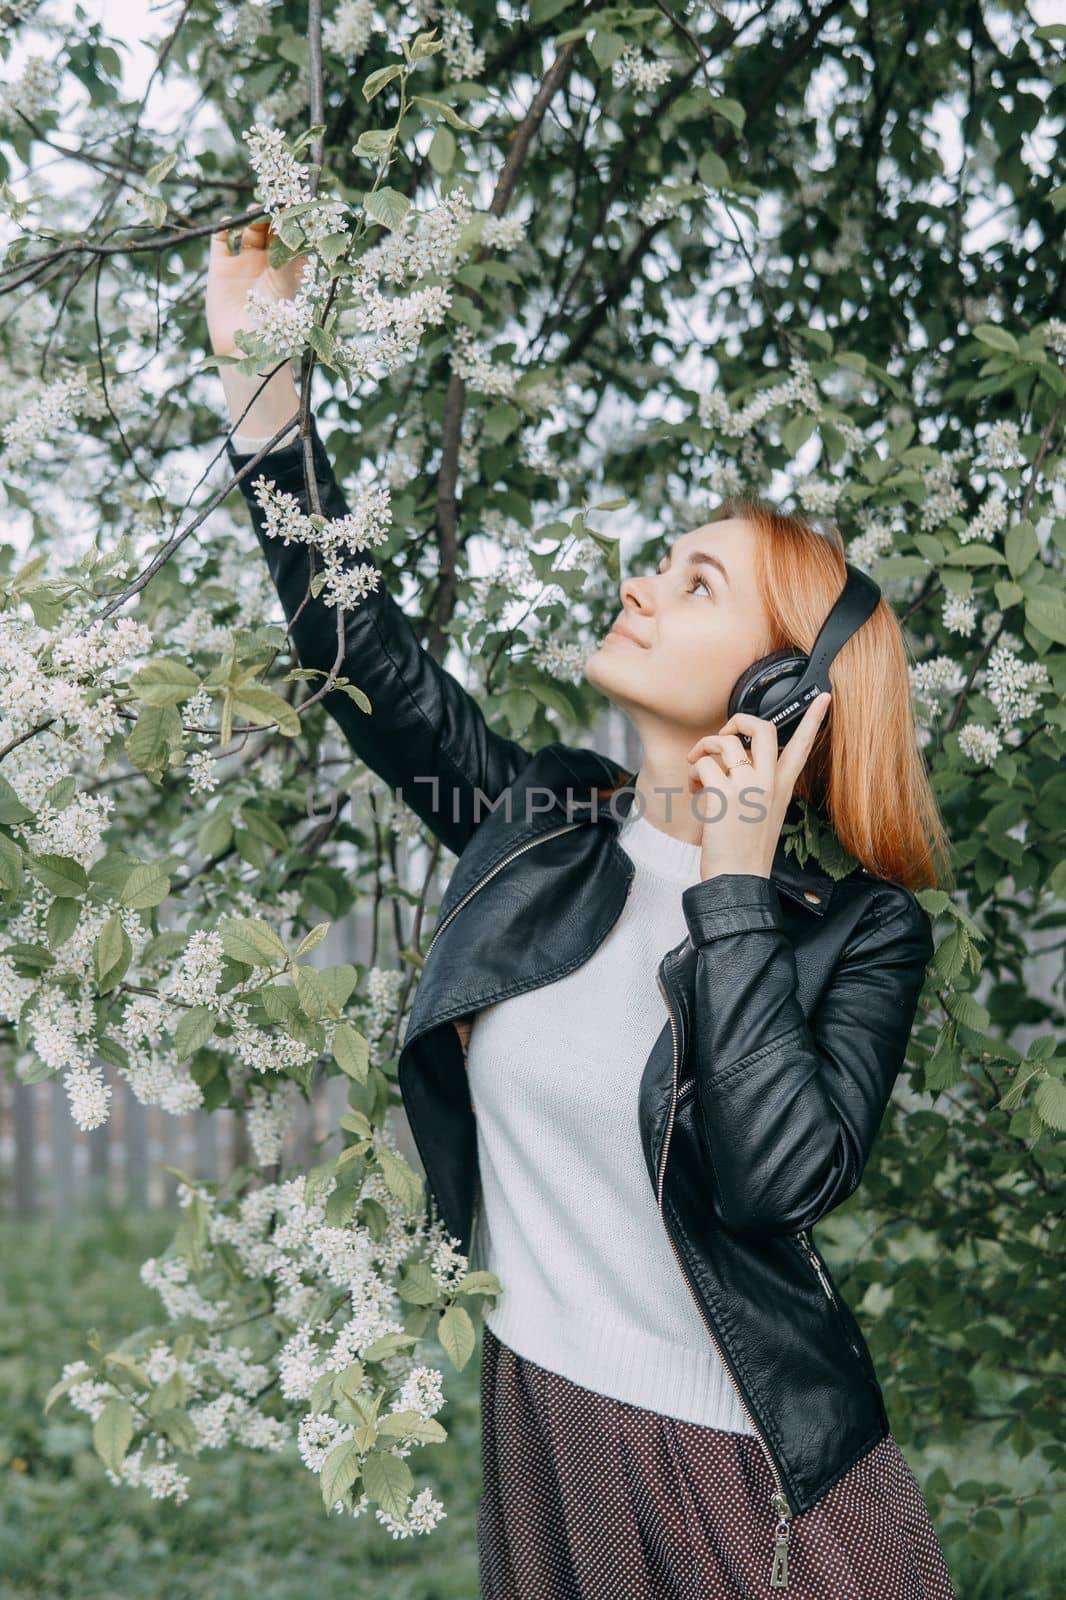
pixel 866 771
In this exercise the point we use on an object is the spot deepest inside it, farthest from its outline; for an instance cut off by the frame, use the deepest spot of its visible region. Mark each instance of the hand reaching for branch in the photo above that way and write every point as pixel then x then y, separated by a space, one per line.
pixel 230 278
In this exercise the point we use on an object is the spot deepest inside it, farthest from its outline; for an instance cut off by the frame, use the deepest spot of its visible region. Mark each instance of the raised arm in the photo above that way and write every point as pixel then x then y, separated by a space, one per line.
pixel 425 735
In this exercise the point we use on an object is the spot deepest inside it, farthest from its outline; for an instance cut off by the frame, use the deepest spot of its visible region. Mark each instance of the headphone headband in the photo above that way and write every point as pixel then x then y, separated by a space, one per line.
pixel 779 687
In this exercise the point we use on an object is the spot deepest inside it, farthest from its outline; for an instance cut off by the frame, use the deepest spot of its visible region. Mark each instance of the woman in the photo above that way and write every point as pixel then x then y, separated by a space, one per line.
pixel 649 1050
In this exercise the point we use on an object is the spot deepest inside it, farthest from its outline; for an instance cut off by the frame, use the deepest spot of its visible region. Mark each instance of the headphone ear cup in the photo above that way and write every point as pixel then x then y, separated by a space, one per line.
pixel 768 672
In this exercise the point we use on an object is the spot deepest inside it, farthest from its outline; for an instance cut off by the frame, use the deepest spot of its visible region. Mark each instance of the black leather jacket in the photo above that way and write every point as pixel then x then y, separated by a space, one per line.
pixel 788 1009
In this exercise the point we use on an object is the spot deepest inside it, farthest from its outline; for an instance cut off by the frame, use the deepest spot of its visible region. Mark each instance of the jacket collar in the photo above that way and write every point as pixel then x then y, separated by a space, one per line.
pixel 587 771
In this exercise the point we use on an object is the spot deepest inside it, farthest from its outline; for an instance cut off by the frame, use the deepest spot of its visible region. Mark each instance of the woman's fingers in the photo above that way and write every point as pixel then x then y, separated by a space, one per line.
pixel 725 750
pixel 760 734
pixel 255 236
pixel 798 748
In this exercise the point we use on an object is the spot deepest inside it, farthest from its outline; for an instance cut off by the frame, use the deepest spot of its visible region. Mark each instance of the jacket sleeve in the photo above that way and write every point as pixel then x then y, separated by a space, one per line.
pixel 789 1107
pixel 424 735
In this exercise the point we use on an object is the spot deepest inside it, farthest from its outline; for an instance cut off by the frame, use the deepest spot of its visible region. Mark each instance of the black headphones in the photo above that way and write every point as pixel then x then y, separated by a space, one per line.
pixel 779 687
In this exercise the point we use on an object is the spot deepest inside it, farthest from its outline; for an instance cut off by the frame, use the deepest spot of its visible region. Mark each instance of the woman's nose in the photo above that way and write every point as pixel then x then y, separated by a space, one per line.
pixel 634 592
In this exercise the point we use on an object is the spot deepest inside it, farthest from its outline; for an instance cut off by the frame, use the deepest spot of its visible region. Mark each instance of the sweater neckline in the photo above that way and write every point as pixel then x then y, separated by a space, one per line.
pixel 659 851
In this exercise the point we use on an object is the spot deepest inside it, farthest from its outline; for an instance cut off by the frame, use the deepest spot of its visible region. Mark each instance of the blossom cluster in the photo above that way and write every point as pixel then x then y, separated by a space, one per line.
pixel 348 32
pixel 335 539
pixel 40 418
pixel 331 1347
pixel 632 69
pixel 797 392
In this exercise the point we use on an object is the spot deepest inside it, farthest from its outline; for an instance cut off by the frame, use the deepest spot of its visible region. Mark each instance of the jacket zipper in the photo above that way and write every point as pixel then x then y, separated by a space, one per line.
pixel 803 1239
pixel 778 1501
pixel 454 912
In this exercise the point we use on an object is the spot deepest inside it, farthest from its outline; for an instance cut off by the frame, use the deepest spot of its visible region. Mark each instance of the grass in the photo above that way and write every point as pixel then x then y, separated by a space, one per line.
pixel 253 1526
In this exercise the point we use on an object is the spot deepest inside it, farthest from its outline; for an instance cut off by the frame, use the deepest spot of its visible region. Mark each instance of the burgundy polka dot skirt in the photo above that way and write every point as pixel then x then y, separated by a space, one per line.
pixel 585 1497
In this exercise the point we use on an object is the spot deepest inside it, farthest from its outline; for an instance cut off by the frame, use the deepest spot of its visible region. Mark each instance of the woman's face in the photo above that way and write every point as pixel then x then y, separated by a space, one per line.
pixel 686 632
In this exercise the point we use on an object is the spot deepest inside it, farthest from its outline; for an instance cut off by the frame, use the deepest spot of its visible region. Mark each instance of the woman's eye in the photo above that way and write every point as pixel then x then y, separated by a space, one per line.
pixel 697 580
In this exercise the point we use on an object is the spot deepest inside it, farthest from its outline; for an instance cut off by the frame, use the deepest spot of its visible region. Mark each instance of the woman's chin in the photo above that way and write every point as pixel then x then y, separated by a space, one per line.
pixel 603 674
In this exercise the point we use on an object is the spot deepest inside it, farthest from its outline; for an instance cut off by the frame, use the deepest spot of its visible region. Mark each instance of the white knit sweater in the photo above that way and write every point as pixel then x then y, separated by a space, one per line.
pixel 567 1217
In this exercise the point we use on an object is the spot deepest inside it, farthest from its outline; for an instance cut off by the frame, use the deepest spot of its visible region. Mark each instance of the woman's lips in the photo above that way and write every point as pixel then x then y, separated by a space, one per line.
pixel 627 638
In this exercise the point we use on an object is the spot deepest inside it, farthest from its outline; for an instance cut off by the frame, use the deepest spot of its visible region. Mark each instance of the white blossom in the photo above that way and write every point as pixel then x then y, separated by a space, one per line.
pixel 461 56
pixel 55 405
pixel 959 614
pixel 32 94
pixel 633 69
pixel 1002 443
pixel 283 181
pixel 987 523
pixel 1055 335
pixel 979 744
pixel 1009 682
pixel 349 30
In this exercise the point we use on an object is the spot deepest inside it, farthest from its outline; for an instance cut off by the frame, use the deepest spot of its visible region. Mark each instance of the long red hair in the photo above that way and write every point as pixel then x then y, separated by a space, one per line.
pixel 866 772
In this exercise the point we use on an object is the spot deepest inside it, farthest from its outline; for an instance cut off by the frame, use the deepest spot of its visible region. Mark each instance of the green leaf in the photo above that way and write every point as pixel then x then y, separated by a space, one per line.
pixel 340 979
pixel 60 875
pixel 313 938
pixel 1046 610
pixel 351 1052
pixel 11 859
pixel 316 1001
pixel 975 555
pixel 966 1010
pixel 606 47
pixel 797 431
pixel 442 150
pixel 251 941
pixel 417 1285
pixel 112 952
pixel 339 1471
pixel 147 885
pixel 180 1429
pixel 400 1179
pixel 1049 1102
pixel 261 707
pixel 444 110
pixel 390 1344
pixel 11 807
pixel 63 917
pixel 112 1433
pixel 731 110
pixel 479 1283
pixel 611 549
pixel 1021 547
pixel 996 338
pixel 713 171
pixel 190 1235
pixel 165 682
pixel 387 206
pixel 194 1030
pixel 377 81
pixel 388 1481
pixel 411 1425
pixel 156 733
pixel 373 143
pixel 455 1330
pixel 158 172
pixel 355 694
